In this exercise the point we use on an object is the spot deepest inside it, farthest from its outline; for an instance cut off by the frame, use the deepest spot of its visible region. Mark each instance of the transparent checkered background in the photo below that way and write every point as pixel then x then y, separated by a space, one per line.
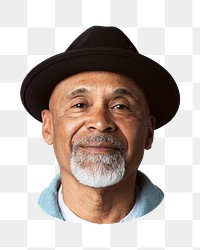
pixel 167 31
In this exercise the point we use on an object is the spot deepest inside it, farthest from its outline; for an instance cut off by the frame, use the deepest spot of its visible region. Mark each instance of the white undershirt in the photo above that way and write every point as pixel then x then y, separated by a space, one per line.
pixel 68 215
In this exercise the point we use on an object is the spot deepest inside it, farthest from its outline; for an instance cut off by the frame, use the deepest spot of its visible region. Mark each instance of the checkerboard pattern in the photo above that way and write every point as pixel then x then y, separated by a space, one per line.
pixel 167 31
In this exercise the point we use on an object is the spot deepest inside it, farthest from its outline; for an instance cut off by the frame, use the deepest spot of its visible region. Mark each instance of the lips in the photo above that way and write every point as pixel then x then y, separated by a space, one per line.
pixel 99 147
pixel 100 143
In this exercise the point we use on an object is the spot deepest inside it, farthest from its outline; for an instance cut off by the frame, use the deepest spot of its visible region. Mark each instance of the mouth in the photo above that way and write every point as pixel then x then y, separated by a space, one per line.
pixel 99 147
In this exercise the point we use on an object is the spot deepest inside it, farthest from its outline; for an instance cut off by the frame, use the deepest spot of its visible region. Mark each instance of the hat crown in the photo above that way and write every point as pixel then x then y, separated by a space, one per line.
pixel 102 37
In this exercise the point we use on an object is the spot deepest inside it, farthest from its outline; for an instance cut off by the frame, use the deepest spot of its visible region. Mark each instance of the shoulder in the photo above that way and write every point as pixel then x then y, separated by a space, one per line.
pixel 150 195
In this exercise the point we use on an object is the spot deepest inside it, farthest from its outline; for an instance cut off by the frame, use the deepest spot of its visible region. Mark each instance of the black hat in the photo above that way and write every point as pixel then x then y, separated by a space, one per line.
pixel 102 49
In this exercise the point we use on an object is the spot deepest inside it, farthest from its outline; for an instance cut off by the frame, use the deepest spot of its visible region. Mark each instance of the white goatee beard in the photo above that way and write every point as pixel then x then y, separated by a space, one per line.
pixel 98 170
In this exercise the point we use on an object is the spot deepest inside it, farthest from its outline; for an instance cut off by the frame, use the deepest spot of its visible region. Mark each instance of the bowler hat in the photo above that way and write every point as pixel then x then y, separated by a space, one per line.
pixel 102 49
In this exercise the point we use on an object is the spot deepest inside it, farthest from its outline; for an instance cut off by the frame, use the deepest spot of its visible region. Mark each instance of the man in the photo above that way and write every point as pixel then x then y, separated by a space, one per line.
pixel 99 103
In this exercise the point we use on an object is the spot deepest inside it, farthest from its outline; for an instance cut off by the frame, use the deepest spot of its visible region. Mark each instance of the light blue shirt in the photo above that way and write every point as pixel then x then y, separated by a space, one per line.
pixel 148 195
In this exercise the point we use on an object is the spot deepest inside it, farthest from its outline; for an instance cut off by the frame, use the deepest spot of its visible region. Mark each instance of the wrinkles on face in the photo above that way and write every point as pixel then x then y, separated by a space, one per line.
pixel 75 99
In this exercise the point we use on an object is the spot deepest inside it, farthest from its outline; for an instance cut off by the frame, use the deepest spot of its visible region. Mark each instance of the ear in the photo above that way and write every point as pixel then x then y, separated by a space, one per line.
pixel 150 131
pixel 47 126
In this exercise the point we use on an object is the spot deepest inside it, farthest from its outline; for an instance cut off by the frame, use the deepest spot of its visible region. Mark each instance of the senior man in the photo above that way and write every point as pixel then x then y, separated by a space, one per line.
pixel 100 102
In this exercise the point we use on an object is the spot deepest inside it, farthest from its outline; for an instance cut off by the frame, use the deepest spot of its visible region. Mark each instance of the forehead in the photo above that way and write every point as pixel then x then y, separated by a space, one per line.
pixel 97 81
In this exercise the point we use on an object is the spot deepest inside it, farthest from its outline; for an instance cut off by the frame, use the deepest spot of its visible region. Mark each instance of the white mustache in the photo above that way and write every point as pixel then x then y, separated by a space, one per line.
pixel 101 138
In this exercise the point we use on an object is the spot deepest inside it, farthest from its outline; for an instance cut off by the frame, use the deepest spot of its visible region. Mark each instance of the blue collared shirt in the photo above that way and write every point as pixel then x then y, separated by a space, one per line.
pixel 150 196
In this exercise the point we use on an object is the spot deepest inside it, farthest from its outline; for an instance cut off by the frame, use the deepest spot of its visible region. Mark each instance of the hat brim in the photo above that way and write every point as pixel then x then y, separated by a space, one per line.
pixel 158 85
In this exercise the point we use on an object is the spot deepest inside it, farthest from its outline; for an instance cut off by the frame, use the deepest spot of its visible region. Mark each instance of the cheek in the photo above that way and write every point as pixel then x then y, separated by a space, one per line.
pixel 136 138
pixel 64 131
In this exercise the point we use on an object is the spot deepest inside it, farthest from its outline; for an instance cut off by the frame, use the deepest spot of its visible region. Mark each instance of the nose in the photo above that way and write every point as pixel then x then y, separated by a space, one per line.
pixel 101 121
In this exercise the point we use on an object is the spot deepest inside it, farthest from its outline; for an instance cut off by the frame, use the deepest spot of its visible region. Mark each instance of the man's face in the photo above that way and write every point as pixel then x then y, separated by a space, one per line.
pixel 99 125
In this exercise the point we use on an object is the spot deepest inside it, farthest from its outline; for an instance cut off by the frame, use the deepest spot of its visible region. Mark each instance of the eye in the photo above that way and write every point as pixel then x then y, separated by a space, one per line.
pixel 120 106
pixel 80 105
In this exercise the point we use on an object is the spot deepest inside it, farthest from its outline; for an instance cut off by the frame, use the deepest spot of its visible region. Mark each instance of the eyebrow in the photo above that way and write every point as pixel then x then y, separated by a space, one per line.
pixel 120 92
pixel 77 92
pixel 125 92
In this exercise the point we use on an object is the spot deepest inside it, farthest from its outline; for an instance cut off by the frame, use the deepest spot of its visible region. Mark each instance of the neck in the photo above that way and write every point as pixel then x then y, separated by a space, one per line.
pixel 99 205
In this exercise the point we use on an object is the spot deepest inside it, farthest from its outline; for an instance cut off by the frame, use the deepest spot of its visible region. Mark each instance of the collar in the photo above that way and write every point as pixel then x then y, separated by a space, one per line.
pixel 150 196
